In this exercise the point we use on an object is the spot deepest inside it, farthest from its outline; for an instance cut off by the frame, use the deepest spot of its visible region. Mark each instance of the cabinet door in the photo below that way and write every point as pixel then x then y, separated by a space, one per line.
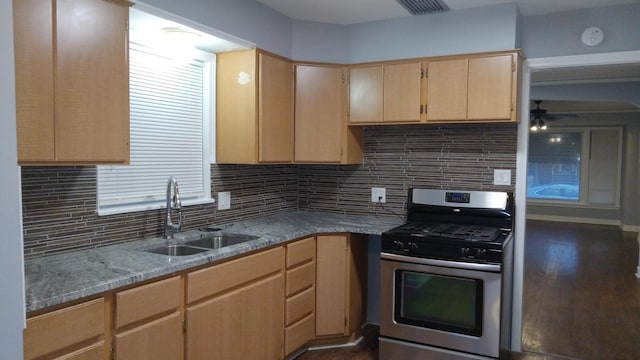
pixel 33 35
pixel 331 285
pixel 447 90
pixel 263 319
pixel 490 88
pixel 159 339
pixel 365 94
pixel 92 82
pixel 402 92
pixel 319 114
pixel 275 117
pixel 214 327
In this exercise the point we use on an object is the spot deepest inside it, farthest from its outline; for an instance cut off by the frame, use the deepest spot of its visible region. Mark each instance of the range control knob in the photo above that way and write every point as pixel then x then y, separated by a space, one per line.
pixel 398 244
pixel 480 253
pixel 464 251
pixel 413 246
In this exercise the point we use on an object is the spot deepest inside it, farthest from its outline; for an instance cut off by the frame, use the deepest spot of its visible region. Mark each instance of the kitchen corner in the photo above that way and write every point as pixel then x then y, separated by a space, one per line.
pixel 57 279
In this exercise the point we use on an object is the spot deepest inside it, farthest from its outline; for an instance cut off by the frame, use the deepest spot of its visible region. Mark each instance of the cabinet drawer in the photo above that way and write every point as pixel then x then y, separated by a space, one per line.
pixel 299 334
pixel 300 305
pixel 300 278
pixel 159 339
pixel 92 352
pixel 63 328
pixel 217 278
pixel 301 251
pixel 146 301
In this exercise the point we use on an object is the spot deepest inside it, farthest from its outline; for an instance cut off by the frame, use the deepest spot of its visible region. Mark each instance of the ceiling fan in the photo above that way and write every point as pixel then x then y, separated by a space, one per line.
pixel 538 117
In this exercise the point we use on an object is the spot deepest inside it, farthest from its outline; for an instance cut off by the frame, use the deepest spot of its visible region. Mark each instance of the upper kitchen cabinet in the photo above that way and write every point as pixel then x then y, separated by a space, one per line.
pixel 475 88
pixel 72 81
pixel 321 132
pixel 254 118
pixel 385 93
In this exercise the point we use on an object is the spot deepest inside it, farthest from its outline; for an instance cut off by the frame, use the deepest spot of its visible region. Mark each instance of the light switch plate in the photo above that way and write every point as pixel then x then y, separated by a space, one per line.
pixel 224 200
pixel 378 195
pixel 501 177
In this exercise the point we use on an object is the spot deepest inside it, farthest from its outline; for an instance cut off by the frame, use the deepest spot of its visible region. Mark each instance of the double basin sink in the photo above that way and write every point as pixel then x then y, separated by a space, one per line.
pixel 207 243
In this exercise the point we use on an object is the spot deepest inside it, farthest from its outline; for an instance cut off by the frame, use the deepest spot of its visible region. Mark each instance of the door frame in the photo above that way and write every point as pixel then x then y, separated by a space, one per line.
pixel 529 66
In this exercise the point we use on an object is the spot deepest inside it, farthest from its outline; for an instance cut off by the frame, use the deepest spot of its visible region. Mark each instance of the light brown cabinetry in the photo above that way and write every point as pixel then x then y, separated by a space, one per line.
pixel 479 88
pixel 385 93
pixel 340 285
pixel 254 121
pixel 75 332
pixel 72 85
pixel 321 131
pixel 300 295
pixel 148 321
pixel 235 310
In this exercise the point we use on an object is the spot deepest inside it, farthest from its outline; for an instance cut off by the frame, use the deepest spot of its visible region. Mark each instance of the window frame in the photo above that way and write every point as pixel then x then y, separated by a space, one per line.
pixel 208 143
pixel 585 163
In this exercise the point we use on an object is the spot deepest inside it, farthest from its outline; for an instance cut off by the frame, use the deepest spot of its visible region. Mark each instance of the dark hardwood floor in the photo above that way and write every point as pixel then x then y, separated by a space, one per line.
pixel 581 298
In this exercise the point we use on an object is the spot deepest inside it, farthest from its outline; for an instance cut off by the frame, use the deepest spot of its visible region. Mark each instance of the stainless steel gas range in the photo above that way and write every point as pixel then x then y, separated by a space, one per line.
pixel 446 277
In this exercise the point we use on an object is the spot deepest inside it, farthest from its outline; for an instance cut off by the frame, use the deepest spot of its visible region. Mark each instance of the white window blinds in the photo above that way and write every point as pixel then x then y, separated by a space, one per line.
pixel 169 103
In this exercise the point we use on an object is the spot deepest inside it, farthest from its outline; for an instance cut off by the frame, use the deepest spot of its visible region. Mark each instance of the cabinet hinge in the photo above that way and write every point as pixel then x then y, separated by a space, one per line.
pixel 421 109
pixel 513 66
pixel 343 79
pixel 184 326
pixel 421 73
pixel 126 25
pixel 112 356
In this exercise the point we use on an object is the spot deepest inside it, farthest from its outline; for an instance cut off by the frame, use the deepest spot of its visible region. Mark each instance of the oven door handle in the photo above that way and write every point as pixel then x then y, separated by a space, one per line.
pixel 445 263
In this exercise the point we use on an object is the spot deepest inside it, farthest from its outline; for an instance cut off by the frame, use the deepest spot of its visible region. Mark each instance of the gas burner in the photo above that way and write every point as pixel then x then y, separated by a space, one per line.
pixel 451 231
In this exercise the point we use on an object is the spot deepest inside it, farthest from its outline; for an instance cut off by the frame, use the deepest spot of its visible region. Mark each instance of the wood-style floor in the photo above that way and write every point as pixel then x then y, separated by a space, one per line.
pixel 581 298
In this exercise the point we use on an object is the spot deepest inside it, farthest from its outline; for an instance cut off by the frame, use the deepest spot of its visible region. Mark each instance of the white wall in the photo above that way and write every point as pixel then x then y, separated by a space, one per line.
pixel 490 28
pixel 245 19
pixel 11 266
pixel 559 34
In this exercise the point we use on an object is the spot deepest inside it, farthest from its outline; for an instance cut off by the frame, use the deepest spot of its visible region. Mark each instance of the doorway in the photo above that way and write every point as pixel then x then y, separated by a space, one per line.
pixel 542 65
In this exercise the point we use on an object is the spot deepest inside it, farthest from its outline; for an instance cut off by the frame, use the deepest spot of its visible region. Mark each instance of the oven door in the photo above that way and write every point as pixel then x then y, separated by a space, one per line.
pixel 445 304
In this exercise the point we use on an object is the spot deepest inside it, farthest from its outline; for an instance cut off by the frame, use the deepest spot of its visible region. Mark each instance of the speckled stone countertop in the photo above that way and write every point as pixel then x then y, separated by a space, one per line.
pixel 57 279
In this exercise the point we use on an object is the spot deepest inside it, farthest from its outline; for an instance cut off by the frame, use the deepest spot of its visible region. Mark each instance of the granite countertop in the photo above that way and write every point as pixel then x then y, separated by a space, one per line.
pixel 57 279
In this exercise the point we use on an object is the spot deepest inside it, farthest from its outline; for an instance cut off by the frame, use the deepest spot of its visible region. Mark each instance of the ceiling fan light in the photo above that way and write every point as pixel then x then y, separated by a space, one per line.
pixel 534 125
pixel 542 125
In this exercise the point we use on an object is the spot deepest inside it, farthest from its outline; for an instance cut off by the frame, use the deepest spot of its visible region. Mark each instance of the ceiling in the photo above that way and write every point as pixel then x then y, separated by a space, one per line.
pixel 346 12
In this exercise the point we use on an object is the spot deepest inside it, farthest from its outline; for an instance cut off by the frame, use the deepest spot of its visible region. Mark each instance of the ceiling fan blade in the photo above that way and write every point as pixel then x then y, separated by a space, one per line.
pixel 558 116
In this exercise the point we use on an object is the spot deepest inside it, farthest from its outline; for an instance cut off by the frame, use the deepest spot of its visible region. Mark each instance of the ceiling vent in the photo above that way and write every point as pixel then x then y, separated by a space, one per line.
pixel 420 7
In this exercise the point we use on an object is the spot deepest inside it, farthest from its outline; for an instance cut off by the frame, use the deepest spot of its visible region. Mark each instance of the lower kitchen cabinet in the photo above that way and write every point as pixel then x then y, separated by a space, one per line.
pixel 75 332
pixel 300 294
pixel 148 321
pixel 341 263
pixel 235 310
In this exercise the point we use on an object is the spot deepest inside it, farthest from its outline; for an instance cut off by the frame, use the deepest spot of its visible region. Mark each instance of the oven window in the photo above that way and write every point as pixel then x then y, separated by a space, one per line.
pixel 439 302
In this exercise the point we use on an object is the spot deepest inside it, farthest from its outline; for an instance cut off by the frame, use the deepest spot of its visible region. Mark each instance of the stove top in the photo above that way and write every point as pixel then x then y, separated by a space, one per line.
pixel 470 226
pixel 450 231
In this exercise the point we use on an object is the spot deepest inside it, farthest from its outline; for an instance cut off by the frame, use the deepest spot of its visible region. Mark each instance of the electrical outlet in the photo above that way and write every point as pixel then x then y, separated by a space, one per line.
pixel 224 200
pixel 501 177
pixel 378 195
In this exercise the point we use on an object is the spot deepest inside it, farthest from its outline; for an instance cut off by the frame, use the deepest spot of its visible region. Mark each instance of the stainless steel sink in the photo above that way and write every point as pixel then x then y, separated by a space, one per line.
pixel 201 245
pixel 177 250
pixel 220 241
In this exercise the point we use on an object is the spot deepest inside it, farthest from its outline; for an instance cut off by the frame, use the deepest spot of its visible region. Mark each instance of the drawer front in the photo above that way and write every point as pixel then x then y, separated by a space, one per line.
pixel 300 278
pixel 93 352
pixel 299 334
pixel 217 278
pixel 63 328
pixel 146 301
pixel 159 339
pixel 300 305
pixel 301 251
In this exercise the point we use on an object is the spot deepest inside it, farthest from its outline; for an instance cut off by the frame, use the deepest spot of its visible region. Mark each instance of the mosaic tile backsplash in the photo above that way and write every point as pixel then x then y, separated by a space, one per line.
pixel 59 202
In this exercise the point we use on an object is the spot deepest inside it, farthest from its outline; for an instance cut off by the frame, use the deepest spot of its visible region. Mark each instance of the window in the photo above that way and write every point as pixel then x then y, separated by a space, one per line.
pixel 579 166
pixel 170 104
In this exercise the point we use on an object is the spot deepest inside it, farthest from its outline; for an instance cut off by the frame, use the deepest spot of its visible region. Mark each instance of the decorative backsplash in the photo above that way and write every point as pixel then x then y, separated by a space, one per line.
pixel 59 202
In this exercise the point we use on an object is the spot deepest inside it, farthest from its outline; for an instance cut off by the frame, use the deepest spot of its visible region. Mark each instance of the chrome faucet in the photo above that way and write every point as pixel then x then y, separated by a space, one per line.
pixel 173 203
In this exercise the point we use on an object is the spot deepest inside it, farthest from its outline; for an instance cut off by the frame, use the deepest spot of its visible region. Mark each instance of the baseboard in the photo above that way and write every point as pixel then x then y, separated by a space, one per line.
pixel 632 228
pixel 572 219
